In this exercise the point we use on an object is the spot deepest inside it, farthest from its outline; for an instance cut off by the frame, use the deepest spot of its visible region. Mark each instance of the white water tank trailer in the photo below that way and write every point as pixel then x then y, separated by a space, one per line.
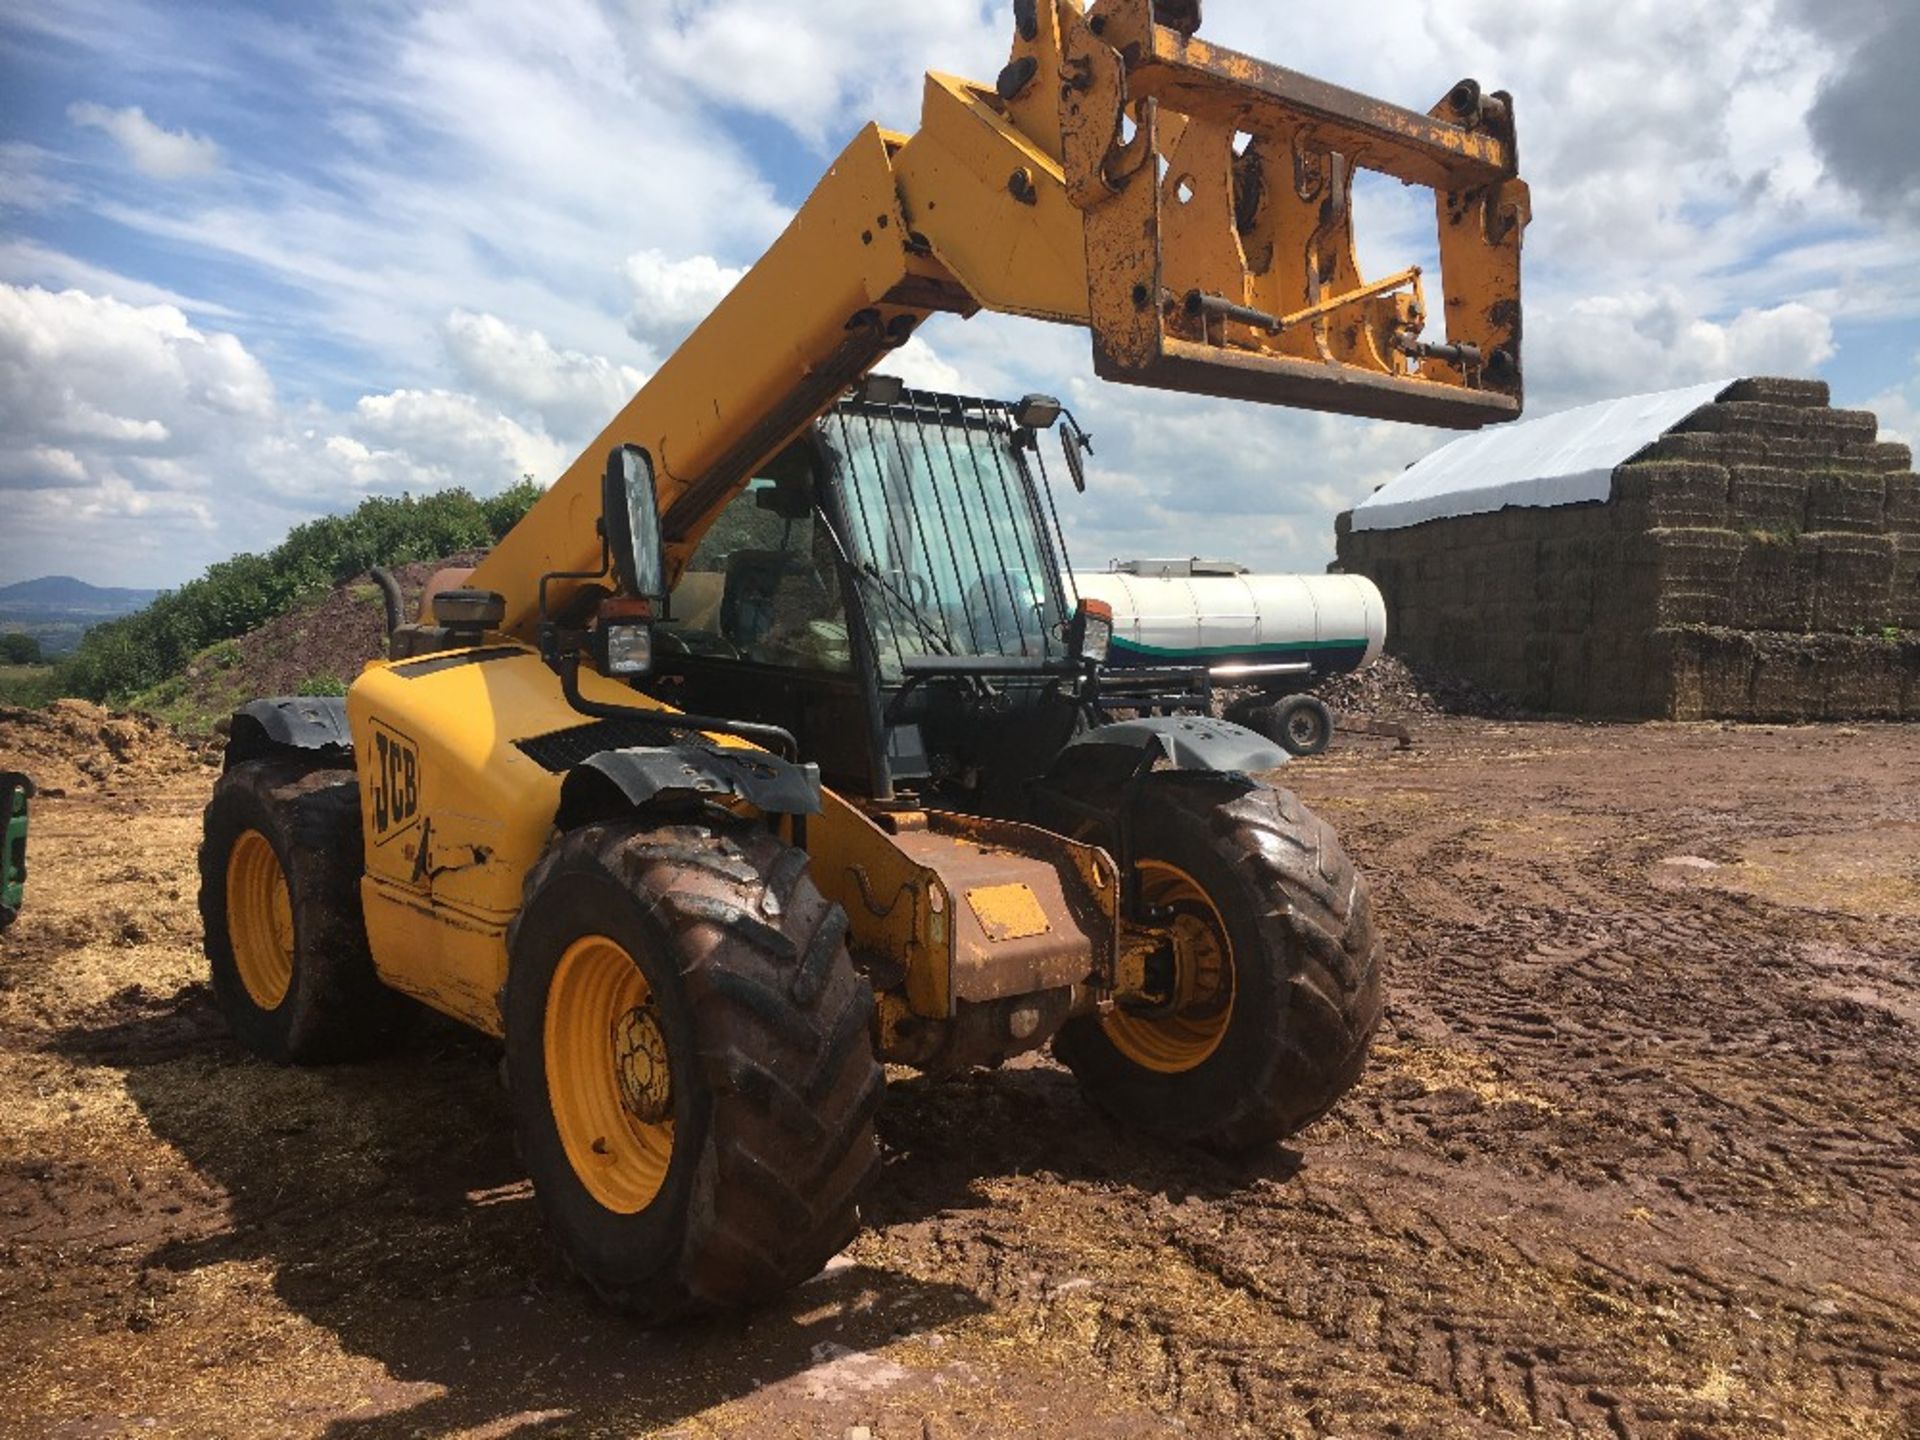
pixel 1275 632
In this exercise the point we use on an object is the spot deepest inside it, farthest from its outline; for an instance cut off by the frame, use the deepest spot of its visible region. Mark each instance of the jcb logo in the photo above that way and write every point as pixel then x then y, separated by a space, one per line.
pixel 394 783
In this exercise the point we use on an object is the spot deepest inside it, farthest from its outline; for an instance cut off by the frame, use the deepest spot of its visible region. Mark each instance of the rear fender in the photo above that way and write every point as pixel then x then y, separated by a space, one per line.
pixel 313 725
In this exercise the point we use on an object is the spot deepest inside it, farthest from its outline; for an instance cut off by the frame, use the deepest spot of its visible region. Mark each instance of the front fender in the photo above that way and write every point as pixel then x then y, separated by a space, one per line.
pixel 674 776
pixel 1189 742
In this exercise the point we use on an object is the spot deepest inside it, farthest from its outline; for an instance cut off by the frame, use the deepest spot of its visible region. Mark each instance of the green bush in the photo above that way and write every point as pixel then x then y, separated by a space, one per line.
pixel 19 649
pixel 322 685
pixel 125 656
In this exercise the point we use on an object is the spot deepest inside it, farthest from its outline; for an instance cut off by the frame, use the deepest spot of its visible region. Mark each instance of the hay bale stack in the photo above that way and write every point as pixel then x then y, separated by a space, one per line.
pixel 1760 559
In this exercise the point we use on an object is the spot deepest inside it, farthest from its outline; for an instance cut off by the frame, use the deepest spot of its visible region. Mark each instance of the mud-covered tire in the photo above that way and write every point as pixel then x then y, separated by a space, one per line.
pixel 766 1030
pixel 1306 968
pixel 334 1007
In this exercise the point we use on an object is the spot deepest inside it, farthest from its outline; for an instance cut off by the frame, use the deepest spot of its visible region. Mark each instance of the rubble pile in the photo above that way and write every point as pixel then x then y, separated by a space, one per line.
pixel 75 746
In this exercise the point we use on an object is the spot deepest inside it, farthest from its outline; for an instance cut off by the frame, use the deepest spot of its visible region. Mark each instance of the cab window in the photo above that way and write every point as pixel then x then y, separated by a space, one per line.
pixel 762 585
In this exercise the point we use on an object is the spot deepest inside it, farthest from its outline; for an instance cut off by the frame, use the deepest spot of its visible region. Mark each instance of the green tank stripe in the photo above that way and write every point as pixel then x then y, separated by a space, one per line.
pixel 1287 647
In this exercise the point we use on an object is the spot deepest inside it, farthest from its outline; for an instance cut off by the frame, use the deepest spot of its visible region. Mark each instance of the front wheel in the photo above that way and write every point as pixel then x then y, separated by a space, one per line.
pixel 691 1078
pixel 1273 989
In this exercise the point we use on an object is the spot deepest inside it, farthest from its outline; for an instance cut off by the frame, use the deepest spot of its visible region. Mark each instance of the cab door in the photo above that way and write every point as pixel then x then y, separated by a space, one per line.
pixel 758 628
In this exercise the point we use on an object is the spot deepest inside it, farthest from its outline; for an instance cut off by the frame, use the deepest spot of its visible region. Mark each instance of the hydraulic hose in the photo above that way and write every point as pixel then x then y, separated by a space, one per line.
pixel 780 741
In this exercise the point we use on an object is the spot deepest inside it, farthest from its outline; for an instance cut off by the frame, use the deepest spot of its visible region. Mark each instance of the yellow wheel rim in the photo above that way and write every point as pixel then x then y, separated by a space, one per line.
pixel 260 920
pixel 1183 1037
pixel 607 1078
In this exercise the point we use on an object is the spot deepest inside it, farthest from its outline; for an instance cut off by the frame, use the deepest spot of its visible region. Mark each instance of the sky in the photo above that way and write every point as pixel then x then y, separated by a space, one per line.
pixel 258 262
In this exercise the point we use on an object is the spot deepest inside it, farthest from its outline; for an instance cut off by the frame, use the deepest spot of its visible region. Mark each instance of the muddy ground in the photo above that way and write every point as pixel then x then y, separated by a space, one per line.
pixel 1636 1156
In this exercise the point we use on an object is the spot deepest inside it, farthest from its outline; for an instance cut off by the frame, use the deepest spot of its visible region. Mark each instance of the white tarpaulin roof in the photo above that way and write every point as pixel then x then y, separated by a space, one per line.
pixel 1558 460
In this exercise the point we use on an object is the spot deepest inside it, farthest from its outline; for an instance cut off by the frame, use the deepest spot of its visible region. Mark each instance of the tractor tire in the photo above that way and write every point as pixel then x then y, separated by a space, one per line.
pixel 1300 724
pixel 280 865
pixel 689 1062
pixel 1264 884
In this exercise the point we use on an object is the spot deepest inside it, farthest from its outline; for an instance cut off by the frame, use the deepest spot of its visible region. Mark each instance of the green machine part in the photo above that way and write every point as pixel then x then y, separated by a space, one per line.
pixel 15 790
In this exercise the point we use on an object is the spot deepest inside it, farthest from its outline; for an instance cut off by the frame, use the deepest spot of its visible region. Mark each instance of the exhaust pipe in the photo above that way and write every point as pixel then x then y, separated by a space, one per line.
pixel 390 593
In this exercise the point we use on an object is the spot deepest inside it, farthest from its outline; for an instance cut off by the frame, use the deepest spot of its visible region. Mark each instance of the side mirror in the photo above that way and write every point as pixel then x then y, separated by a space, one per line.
pixel 632 524
pixel 1072 441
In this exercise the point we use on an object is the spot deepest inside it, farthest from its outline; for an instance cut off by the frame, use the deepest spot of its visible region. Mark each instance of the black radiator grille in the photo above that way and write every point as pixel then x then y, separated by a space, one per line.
pixel 561 750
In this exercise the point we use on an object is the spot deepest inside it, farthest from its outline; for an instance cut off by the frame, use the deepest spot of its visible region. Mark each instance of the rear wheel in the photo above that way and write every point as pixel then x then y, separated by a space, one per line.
pixel 1299 724
pixel 280 862
pixel 1272 971
pixel 693 1086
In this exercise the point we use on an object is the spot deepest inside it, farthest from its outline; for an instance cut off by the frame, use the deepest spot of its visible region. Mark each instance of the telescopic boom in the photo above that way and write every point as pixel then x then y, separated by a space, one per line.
pixel 1189 205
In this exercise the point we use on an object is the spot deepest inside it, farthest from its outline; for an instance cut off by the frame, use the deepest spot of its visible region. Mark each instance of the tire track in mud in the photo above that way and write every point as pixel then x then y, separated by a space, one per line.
pixel 1353 1309
pixel 1621 1165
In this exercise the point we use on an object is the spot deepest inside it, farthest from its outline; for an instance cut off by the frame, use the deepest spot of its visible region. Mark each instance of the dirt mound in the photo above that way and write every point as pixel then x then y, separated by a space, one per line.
pixel 1391 687
pixel 315 650
pixel 74 746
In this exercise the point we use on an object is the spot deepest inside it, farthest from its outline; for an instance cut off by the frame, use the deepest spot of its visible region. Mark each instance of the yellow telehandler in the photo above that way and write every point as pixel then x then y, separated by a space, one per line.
pixel 773 744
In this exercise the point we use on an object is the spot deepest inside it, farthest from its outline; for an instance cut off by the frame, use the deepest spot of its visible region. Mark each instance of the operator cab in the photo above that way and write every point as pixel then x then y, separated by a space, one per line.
pixel 893 589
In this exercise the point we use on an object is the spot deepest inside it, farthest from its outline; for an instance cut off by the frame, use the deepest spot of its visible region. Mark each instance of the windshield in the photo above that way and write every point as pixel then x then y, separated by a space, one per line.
pixel 944 531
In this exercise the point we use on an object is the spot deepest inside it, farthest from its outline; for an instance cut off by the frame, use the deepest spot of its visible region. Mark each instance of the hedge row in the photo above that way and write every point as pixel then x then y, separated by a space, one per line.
pixel 125 656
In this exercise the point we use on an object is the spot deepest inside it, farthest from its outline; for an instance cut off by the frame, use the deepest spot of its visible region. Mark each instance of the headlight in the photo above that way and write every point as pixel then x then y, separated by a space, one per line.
pixel 1092 631
pixel 627 649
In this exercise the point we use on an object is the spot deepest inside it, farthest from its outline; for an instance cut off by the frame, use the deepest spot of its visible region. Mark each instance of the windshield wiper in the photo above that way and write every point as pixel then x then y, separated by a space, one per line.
pixel 933 634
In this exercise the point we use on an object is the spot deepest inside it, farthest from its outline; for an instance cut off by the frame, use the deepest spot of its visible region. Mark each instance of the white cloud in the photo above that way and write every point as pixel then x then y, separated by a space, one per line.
pixel 25 183
pixel 917 363
pixel 128 380
pixel 122 434
pixel 572 394
pixel 359 128
pixel 25 263
pixel 1172 475
pixel 39 466
pixel 456 438
pixel 1607 345
pixel 497 156
pixel 154 150
pixel 165 445
pixel 671 296
pixel 1898 407
pixel 825 68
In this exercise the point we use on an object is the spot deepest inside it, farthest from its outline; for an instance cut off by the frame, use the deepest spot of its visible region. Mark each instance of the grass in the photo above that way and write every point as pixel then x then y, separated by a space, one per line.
pixel 201 696
pixel 28 685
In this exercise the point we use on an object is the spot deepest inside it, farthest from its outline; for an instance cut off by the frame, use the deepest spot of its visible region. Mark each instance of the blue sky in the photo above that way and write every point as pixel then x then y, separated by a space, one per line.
pixel 257 262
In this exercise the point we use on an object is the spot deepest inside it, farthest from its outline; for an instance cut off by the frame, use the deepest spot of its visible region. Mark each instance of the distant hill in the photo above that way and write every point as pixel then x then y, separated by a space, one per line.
pixel 59 610
pixel 63 594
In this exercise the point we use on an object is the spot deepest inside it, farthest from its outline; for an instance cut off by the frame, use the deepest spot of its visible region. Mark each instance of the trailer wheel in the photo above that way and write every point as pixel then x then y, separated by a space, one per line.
pixel 691 1075
pixel 1276 970
pixel 1300 725
pixel 280 863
